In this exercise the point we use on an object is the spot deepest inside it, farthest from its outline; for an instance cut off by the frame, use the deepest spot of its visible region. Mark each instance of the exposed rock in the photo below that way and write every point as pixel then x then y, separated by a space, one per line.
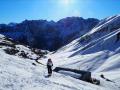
pixel 48 35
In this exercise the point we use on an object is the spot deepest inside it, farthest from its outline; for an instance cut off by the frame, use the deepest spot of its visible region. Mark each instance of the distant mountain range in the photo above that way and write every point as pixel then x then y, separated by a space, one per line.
pixel 48 35
pixel 86 44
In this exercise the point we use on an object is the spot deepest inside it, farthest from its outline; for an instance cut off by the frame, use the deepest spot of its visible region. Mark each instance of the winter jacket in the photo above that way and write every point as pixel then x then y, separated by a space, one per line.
pixel 50 64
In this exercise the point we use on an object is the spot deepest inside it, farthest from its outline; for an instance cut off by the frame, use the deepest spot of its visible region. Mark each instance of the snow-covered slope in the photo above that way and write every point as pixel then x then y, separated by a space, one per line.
pixel 97 51
pixel 106 44
pixel 17 73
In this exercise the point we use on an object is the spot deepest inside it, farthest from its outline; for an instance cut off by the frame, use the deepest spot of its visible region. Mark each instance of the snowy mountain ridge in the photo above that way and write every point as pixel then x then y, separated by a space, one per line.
pixel 55 34
pixel 97 51
pixel 19 73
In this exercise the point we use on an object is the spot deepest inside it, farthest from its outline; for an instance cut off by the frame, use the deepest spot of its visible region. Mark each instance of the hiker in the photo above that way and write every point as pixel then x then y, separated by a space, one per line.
pixel 49 66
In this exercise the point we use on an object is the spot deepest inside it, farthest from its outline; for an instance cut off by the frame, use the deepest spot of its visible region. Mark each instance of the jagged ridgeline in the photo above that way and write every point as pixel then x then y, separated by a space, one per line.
pixel 48 35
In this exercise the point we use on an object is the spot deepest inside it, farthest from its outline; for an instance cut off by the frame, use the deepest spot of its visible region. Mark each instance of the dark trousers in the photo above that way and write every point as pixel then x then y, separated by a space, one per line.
pixel 49 70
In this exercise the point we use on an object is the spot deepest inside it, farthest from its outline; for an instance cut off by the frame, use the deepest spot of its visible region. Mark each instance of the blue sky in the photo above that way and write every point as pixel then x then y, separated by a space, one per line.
pixel 19 10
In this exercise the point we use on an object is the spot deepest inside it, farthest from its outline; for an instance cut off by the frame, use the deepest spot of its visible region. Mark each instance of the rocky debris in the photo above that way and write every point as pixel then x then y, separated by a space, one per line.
pixel 11 51
pixel 39 52
pixel 15 48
